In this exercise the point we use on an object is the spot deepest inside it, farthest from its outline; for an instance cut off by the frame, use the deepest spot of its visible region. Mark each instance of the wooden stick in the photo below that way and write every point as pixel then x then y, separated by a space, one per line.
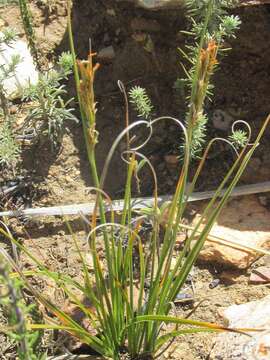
pixel 137 203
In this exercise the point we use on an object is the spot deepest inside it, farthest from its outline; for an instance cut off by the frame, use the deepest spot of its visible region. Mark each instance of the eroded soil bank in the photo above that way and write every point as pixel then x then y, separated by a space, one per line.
pixel 144 53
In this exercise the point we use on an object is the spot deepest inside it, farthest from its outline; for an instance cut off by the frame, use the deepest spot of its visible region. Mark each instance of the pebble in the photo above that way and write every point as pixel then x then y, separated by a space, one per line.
pixel 13 109
pixel 183 298
pixel 106 54
pixel 171 160
pixel 214 283
pixel 260 275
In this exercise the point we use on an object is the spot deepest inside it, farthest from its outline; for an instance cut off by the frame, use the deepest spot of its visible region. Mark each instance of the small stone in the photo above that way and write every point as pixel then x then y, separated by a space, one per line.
pixel 213 284
pixel 69 178
pixel 12 109
pixel 25 72
pixel 89 261
pixel 221 120
pixel 171 160
pixel 234 346
pixel 106 54
pixel 245 222
pixel 261 275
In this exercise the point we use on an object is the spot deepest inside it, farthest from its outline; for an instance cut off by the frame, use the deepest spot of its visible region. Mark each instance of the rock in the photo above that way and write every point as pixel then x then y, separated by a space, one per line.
pixel 244 221
pixel 25 72
pixel 222 120
pixel 156 4
pixel 260 275
pixel 106 54
pixel 233 346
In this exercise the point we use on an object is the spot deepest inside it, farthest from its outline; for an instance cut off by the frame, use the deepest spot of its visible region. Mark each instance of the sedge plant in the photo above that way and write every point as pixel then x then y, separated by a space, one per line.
pixel 126 316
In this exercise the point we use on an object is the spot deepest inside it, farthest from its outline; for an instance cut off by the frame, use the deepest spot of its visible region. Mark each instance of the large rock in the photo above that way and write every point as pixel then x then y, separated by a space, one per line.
pixel 243 221
pixel 25 72
pixel 233 346
pixel 156 4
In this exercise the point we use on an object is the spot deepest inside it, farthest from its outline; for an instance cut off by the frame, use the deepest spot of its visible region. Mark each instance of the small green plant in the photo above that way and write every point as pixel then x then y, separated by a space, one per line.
pixel 50 112
pixel 8 35
pixel 9 149
pixel 239 139
pixel 141 101
pixel 27 20
pixel 17 313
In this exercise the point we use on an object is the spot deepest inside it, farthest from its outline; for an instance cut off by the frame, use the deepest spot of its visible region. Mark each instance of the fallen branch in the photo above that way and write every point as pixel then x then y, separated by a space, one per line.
pixel 137 203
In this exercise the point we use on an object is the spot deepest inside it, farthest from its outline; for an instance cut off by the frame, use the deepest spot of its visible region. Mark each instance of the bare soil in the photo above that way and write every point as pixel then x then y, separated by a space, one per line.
pixel 241 89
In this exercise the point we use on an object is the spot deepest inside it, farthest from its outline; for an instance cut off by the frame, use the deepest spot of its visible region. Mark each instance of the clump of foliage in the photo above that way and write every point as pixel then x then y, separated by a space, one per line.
pixel 50 111
pixel 17 313
pixel 210 26
pixel 9 149
pixel 239 138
